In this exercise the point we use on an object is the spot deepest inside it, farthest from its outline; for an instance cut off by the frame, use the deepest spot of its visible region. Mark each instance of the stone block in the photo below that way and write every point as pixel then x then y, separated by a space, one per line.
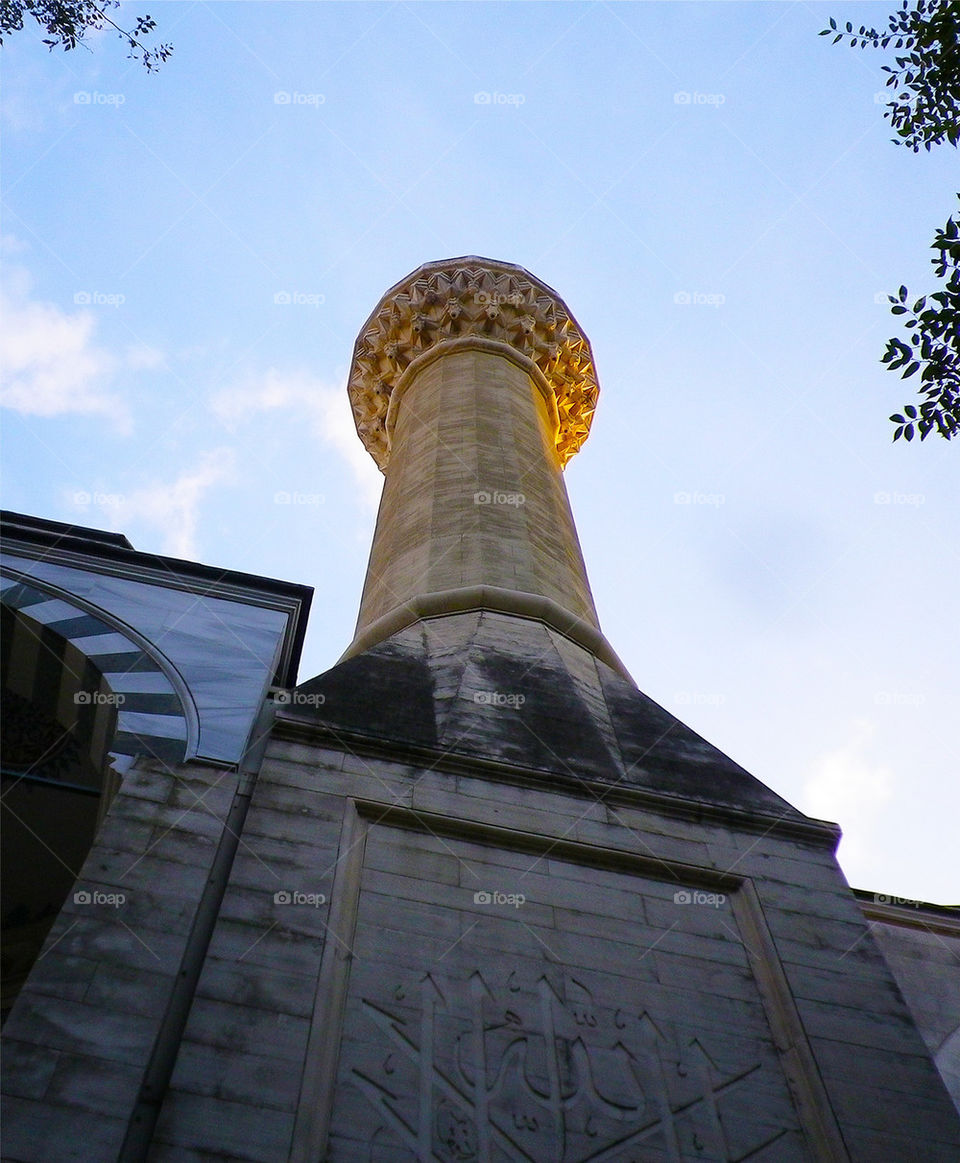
pixel 241 1029
pixel 215 1128
pixel 26 1069
pixel 41 1132
pixel 81 1030
pixel 255 986
pixel 59 972
pixel 255 1080
pixel 249 944
pixel 129 990
pixel 94 1084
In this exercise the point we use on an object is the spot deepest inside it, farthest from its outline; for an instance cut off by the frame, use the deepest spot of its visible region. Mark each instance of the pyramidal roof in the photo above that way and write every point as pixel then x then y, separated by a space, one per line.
pixel 487 686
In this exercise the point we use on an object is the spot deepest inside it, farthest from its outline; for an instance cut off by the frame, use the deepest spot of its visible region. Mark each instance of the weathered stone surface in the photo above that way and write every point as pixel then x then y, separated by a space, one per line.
pixel 27 1072
pixel 98 994
pixel 922 947
pixel 388 692
pixel 44 1130
pixel 222 1129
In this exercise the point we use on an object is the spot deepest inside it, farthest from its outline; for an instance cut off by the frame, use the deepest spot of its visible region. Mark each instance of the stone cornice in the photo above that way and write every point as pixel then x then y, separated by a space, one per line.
pixel 288 725
pixel 462 297
pixel 902 913
pixel 514 602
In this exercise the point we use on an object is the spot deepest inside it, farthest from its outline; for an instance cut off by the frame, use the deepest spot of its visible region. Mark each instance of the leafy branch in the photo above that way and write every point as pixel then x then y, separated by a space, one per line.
pixel 925 105
pixel 924 111
pixel 66 22
pixel 933 348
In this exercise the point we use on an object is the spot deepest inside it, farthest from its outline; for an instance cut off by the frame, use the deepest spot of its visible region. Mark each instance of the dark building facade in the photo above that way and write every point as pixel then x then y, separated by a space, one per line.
pixel 467 895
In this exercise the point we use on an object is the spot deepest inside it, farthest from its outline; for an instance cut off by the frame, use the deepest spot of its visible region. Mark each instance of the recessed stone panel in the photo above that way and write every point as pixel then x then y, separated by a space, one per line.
pixel 500 1019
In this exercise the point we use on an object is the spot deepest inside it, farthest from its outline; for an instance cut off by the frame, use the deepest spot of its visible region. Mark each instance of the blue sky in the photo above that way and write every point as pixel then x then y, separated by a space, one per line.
pixel 713 191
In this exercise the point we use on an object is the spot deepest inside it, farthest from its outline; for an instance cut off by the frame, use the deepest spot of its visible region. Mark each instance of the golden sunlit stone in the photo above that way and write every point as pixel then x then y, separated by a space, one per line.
pixel 459 298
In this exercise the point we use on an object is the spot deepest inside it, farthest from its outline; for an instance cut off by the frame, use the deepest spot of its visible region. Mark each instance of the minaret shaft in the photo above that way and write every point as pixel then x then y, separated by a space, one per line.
pixel 474 495
pixel 472 385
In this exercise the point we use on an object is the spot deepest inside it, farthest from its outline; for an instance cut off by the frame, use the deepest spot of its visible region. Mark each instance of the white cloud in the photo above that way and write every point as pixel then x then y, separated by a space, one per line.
pixel 10 244
pixel 174 508
pixel 328 411
pixel 848 786
pixel 51 362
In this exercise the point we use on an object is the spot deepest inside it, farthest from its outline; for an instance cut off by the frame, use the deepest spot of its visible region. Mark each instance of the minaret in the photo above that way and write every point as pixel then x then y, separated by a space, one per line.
pixel 472 385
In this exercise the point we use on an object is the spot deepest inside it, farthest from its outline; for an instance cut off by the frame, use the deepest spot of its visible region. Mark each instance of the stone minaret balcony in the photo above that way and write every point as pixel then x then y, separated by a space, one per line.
pixel 472 385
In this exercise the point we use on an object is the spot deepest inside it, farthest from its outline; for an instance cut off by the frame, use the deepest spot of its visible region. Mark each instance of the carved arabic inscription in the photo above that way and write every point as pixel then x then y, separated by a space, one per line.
pixel 485 1071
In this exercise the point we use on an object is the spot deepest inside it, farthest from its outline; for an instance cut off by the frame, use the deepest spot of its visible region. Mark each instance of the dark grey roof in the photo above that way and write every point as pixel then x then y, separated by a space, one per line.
pixel 23 525
pixel 510 689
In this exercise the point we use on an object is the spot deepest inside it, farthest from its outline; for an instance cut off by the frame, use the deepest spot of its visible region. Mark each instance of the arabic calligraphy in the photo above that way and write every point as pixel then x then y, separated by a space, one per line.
pixel 488 1070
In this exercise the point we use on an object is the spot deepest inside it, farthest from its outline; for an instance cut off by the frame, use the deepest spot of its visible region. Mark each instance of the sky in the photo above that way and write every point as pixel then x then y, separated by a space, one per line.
pixel 713 191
